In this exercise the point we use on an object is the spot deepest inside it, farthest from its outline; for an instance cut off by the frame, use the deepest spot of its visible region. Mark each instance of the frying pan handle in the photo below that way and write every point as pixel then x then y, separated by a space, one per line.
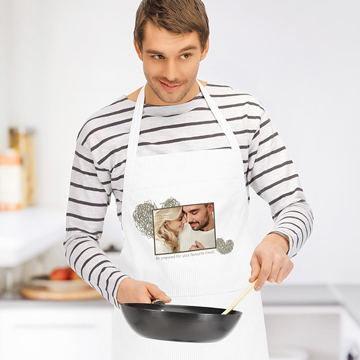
pixel 158 302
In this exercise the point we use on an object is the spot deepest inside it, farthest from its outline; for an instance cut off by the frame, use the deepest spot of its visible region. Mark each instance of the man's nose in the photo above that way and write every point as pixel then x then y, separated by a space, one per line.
pixel 188 218
pixel 171 71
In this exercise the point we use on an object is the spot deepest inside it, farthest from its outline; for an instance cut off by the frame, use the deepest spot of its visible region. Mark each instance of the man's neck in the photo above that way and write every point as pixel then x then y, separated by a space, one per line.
pixel 210 226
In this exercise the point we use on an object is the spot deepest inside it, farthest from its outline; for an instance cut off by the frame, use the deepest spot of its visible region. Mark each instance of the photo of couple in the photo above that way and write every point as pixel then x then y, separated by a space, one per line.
pixel 184 228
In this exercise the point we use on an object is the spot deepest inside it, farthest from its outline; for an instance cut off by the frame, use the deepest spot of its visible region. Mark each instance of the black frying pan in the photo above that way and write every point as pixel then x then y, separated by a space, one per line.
pixel 182 323
pixel 179 322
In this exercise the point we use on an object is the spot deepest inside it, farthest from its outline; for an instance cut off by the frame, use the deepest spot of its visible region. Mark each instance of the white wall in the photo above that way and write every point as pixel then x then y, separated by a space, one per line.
pixel 4 72
pixel 69 58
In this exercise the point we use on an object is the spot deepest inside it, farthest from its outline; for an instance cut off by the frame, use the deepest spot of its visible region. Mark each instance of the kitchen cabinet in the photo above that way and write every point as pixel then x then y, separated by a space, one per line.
pixel 56 331
pixel 350 340
pixel 312 329
pixel 322 320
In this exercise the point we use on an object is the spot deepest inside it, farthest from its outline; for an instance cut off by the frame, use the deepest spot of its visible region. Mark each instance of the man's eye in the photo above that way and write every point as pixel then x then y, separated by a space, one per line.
pixel 185 56
pixel 158 57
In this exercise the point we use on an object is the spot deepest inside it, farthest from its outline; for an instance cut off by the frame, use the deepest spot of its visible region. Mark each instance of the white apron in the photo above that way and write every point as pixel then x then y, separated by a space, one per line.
pixel 210 277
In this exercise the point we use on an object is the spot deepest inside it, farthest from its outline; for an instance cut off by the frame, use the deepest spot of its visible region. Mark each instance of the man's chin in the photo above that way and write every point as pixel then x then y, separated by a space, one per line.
pixel 169 97
pixel 172 98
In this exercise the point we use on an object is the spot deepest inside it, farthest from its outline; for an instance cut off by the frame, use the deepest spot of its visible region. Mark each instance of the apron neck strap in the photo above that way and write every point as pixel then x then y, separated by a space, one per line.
pixel 220 118
pixel 135 126
pixel 138 112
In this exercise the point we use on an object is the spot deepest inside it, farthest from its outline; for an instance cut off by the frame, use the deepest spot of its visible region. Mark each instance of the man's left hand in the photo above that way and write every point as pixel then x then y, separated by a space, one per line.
pixel 270 261
pixel 197 246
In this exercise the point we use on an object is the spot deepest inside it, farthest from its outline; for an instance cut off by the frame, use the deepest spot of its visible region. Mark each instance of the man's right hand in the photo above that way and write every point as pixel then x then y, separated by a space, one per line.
pixel 134 291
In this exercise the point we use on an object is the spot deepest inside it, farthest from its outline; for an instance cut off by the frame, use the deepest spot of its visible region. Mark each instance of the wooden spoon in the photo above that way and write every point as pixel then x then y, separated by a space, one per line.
pixel 231 307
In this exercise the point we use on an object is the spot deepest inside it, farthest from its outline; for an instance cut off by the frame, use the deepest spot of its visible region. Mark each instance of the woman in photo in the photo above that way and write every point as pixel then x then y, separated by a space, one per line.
pixel 167 225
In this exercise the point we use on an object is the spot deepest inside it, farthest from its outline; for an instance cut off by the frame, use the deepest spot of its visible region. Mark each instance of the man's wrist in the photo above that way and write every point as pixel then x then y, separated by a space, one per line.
pixel 284 240
pixel 121 288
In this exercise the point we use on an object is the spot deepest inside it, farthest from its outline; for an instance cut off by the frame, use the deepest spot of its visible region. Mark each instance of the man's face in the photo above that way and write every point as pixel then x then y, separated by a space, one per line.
pixel 198 216
pixel 171 62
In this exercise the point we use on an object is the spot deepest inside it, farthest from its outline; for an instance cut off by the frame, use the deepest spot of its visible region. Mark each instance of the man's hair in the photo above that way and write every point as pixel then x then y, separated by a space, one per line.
pixel 177 16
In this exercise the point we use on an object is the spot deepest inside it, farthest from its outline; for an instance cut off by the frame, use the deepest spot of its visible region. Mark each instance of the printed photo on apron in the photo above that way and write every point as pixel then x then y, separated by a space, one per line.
pixel 177 228
pixel 184 228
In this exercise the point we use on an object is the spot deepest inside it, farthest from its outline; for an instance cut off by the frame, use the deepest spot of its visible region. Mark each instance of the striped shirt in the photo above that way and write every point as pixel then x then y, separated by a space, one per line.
pixel 100 160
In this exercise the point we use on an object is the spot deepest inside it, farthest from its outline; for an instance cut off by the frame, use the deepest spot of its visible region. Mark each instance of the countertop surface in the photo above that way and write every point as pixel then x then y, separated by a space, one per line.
pixel 274 294
pixel 346 296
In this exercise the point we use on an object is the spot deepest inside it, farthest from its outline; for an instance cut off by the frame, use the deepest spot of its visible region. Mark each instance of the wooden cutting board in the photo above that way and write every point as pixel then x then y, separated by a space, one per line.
pixel 43 293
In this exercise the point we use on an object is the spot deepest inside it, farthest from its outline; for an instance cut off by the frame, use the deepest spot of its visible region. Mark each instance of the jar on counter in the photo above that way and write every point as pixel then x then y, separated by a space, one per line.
pixel 10 181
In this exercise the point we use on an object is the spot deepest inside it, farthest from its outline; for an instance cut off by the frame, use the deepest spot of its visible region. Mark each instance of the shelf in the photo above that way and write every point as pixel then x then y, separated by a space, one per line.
pixel 29 232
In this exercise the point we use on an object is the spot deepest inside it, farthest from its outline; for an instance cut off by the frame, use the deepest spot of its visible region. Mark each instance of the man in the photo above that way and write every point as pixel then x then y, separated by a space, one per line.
pixel 200 217
pixel 135 149
pixel 199 230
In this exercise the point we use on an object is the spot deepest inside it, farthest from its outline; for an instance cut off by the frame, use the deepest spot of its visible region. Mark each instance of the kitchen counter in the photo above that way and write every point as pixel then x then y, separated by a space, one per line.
pixel 349 297
pixel 299 295
pixel 21 303
pixel 27 233
pixel 346 296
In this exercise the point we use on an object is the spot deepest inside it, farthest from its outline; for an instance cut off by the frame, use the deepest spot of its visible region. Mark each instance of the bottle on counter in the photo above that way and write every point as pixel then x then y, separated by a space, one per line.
pixel 10 181
pixel 21 140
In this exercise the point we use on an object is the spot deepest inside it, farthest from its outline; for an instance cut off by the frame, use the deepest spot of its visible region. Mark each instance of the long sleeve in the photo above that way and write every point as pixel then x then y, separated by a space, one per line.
pixel 90 192
pixel 272 175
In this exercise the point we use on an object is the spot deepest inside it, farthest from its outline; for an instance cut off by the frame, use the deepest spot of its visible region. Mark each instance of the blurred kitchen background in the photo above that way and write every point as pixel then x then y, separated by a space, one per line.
pixel 60 61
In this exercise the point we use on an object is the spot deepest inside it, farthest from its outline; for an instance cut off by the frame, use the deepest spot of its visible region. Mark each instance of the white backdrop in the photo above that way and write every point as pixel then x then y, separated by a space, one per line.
pixel 66 59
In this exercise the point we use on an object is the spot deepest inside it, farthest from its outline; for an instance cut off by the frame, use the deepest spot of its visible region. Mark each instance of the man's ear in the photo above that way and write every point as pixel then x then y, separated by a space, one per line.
pixel 138 51
pixel 211 208
pixel 205 51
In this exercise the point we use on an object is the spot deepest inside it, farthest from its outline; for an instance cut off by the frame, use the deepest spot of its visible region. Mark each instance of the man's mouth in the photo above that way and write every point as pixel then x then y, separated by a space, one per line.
pixel 193 224
pixel 170 87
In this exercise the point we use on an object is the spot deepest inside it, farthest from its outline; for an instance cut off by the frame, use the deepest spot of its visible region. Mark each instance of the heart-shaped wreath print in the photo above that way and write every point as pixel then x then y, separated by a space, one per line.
pixel 224 247
pixel 142 215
